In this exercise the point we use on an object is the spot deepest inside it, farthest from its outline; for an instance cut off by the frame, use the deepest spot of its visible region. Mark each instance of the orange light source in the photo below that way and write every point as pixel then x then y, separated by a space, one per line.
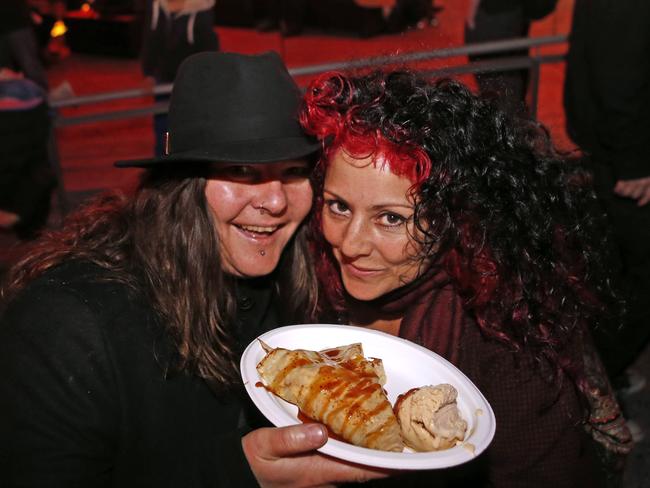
pixel 58 29
pixel 86 8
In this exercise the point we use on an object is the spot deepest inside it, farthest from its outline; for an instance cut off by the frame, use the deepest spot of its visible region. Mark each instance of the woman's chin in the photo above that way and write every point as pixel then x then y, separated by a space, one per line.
pixel 363 292
pixel 253 265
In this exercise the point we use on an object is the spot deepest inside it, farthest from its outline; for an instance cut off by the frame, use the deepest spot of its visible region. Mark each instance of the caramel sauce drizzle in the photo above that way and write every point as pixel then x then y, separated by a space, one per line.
pixel 350 387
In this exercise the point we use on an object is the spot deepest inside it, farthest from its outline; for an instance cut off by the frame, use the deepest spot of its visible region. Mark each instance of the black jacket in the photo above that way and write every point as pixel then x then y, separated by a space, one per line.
pixel 607 88
pixel 88 398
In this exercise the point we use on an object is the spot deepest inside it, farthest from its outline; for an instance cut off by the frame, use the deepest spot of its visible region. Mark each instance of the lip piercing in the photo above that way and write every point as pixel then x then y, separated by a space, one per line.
pixel 262 252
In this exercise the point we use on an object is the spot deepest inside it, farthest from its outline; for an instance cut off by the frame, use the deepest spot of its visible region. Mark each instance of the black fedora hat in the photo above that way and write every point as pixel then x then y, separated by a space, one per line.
pixel 232 108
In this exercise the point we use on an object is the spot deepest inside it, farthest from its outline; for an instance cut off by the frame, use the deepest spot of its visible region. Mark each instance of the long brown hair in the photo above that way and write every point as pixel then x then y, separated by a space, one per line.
pixel 161 243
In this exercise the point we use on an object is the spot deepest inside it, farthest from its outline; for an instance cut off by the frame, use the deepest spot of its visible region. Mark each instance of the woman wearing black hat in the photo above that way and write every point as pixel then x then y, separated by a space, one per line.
pixel 120 336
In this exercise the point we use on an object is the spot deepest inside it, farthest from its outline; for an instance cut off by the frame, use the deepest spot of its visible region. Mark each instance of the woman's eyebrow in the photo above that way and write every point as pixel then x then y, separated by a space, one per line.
pixel 380 206
pixel 377 206
pixel 333 193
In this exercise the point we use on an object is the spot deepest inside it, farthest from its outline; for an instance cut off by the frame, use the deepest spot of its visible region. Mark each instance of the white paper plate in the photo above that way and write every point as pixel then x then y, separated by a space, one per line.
pixel 407 366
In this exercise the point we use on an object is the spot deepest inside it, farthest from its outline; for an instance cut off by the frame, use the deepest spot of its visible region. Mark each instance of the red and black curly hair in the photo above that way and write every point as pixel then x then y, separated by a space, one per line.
pixel 508 218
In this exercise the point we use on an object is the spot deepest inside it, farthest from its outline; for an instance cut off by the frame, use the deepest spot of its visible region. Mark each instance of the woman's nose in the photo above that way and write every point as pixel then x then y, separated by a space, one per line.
pixel 271 196
pixel 356 240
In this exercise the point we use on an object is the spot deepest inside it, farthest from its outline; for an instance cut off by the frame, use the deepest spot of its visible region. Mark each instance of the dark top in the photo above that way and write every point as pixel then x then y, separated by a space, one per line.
pixel 539 441
pixel 88 399
pixel 607 87
pixel 168 43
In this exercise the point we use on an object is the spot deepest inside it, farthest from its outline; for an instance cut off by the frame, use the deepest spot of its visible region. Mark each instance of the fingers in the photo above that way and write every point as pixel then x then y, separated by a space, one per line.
pixel 287 458
pixel 279 456
pixel 298 439
pixel 621 188
pixel 338 471
pixel 272 443
pixel 632 189
pixel 644 199
pixel 638 189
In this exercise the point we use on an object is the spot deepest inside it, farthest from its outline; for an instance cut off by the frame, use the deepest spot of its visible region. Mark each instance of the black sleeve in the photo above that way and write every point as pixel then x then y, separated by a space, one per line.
pixel 235 469
pixel 58 409
pixel 205 37
pixel 620 61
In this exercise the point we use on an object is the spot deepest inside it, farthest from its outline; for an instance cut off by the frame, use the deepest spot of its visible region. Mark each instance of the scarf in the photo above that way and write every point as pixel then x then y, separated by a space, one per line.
pixel 605 422
pixel 432 312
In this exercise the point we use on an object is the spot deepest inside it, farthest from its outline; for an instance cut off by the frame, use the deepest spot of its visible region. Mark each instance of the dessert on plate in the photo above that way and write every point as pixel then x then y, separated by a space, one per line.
pixel 429 418
pixel 338 387
pixel 343 389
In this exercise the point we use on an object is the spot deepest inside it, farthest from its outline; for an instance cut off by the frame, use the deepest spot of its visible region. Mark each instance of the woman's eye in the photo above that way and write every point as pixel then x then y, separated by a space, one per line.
pixel 238 172
pixel 298 172
pixel 390 219
pixel 336 207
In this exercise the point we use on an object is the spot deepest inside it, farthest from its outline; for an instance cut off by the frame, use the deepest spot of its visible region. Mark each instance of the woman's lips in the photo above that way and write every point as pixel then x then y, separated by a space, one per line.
pixel 257 232
pixel 359 271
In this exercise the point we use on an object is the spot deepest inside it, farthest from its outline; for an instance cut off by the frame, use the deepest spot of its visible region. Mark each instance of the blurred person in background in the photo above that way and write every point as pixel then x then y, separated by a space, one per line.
pixel 607 103
pixel 498 20
pixel 408 14
pixel 174 30
pixel 19 51
pixel 287 16
pixel 26 180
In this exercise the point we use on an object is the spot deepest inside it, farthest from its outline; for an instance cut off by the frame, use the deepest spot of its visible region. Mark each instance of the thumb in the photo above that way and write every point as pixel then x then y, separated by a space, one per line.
pixel 282 442
pixel 297 439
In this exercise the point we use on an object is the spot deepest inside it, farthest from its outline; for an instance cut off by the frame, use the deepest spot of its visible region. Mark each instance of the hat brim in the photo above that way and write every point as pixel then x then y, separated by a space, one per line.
pixel 250 152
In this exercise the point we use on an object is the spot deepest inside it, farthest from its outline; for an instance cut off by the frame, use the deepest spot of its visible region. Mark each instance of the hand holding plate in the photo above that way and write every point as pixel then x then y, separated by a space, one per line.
pixel 287 458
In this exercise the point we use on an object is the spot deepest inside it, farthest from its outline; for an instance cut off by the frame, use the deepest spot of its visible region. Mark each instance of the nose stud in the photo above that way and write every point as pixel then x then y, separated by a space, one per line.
pixel 261 208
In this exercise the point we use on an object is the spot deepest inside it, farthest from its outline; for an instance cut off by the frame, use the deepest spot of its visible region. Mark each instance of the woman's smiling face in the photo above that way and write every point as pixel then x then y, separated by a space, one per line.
pixel 368 220
pixel 256 210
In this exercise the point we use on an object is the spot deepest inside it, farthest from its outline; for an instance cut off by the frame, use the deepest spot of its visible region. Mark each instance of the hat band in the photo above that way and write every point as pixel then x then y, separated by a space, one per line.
pixel 166 144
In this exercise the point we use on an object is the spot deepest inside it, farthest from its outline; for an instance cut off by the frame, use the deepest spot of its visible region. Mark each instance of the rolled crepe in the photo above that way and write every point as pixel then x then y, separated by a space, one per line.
pixel 338 387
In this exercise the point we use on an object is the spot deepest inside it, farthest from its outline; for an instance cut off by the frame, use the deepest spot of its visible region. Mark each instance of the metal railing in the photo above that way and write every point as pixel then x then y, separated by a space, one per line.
pixel 531 62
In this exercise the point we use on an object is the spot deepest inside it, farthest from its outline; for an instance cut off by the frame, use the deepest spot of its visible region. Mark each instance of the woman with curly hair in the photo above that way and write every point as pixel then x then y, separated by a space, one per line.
pixel 442 221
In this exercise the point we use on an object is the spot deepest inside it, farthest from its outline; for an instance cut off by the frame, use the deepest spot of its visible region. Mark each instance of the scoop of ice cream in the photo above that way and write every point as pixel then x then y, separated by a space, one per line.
pixel 429 418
